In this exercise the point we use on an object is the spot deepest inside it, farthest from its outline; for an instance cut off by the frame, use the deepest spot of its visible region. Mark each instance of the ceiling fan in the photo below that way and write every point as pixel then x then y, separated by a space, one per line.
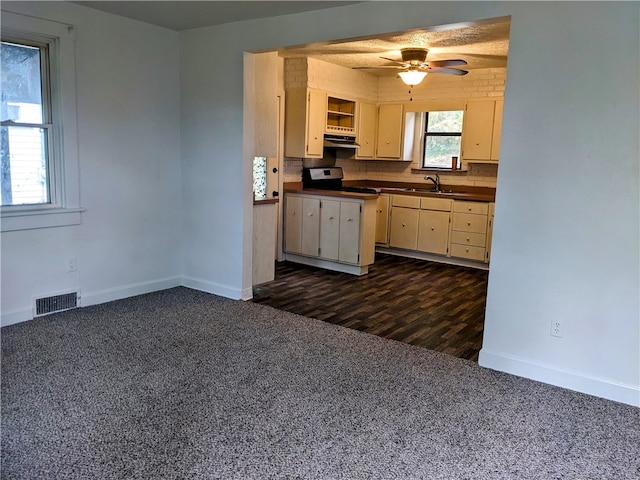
pixel 414 66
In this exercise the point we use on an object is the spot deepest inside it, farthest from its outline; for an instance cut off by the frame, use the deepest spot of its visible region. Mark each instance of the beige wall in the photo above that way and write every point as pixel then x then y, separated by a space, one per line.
pixel 435 92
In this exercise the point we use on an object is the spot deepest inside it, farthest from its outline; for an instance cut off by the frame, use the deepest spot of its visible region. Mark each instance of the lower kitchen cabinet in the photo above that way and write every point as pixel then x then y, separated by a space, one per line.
pixel 433 232
pixel 469 230
pixel 419 223
pixel 492 207
pixel 330 232
pixel 440 227
pixel 382 220
pixel 303 225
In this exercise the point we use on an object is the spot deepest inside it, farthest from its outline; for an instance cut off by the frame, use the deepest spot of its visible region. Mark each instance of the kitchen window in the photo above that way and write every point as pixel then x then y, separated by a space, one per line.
pixel 442 138
pixel 38 164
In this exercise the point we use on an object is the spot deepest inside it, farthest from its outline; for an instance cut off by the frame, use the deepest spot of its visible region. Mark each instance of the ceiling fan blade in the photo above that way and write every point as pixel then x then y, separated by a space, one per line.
pixel 447 63
pixel 448 71
pixel 394 61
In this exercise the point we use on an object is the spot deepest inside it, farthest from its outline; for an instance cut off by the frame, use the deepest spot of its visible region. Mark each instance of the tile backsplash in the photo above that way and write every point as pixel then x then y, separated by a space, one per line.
pixel 479 175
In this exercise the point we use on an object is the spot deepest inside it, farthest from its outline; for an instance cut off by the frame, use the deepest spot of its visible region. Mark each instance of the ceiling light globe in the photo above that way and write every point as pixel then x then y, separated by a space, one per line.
pixel 412 77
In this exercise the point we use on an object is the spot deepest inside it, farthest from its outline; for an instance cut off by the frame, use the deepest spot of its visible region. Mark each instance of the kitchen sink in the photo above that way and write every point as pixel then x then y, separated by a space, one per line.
pixel 425 190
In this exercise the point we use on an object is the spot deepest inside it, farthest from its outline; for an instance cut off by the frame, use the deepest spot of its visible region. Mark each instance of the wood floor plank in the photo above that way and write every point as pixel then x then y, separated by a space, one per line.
pixel 428 304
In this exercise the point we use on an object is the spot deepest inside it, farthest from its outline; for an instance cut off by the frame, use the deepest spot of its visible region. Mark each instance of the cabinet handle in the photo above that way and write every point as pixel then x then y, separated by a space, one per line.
pixel 330 218
pixel 403 224
pixel 432 229
pixel 309 214
pixel 469 208
pixel 349 219
pixel 477 143
pixel 469 224
pixel 467 239
pixel 466 250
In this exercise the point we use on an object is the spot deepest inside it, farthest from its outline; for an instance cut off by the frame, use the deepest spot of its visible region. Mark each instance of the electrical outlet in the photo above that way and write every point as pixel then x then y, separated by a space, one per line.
pixel 557 328
pixel 71 265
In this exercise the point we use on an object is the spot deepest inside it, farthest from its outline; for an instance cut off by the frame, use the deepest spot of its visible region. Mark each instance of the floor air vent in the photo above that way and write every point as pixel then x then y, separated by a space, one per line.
pixel 56 303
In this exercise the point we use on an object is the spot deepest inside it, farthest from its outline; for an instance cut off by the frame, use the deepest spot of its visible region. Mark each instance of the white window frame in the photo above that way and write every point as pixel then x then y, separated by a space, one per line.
pixel 438 134
pixel 64 208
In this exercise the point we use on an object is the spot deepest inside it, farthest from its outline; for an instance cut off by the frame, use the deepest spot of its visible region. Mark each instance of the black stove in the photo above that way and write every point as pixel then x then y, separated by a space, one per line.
pixel 329 178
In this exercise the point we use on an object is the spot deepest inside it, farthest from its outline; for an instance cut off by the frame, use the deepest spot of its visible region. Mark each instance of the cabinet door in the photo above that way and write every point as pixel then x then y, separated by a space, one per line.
pixel 389 141
pixel 349 232
pixel 293 224
pixel 382 219
pixel 433 231
pixel 497 130
pixel 403 230
pixel 330 229
pixel 310 242
pixel 367 120
pixel 316 121
pixel 477 130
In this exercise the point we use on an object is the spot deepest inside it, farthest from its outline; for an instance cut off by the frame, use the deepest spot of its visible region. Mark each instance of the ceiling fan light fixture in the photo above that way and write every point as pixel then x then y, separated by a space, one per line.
pixel 412 76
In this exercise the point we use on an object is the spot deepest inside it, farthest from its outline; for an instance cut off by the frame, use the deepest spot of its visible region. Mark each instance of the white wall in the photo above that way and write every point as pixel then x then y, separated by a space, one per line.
pixel 566 227
pixel 127 79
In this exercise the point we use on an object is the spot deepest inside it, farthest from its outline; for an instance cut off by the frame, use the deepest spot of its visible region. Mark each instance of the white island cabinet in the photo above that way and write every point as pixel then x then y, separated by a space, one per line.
pixel 333 232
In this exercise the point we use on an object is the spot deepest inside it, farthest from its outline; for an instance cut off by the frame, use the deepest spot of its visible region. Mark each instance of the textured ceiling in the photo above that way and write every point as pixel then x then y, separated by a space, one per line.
pixel 480 44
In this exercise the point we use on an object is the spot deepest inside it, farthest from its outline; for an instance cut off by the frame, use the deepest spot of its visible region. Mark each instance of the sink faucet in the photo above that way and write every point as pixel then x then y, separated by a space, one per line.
pixel 436 181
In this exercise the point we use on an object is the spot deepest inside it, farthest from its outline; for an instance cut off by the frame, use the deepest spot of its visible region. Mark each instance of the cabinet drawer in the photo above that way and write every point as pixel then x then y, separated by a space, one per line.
pixel 468 252
pixel 468 238
pixel 466 222
pixel 479 208
pixel 405 201
pixel 442 204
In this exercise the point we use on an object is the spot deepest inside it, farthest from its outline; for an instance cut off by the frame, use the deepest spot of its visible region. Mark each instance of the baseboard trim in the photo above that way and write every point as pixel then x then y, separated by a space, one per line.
pixel 99 296
pixel 572 380
pixel 126 291
pixel 211 287
pixel 17 316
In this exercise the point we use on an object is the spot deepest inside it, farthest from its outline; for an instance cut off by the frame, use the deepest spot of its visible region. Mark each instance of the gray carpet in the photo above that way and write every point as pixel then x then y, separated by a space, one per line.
pixel 182 384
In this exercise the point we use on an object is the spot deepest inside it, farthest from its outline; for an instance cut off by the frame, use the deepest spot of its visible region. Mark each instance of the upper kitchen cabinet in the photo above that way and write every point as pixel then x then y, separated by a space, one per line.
pixel 497 130
pixel 341 116
pixel 266 104
pixel 367 124
pixel 304 125
pixel 390 127
pixel 386 132
pixel 481 131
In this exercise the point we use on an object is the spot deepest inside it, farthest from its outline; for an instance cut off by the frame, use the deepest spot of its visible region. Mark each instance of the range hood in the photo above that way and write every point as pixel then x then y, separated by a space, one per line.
pixel 340 141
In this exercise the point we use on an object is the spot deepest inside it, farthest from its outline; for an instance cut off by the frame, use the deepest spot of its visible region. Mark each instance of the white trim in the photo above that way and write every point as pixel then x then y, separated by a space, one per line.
pixel 560 377
pixel 43 218
pixel 126 291
pixel 212 287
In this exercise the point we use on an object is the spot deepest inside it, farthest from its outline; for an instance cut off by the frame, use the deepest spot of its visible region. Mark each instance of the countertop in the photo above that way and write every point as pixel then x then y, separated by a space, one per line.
pixel 456 192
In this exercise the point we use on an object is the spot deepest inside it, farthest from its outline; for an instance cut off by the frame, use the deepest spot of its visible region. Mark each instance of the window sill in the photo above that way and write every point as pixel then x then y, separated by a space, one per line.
pixel 41 218
pixel 439 170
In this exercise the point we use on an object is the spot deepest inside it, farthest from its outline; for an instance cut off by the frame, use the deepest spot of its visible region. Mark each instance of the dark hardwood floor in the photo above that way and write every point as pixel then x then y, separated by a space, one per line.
pixel 431 305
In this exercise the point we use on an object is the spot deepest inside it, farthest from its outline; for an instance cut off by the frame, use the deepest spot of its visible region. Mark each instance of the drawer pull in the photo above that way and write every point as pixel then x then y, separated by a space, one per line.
pixel 403 224
pixel 309 214
pixel 432 229
pixel 330 218
pixel 349 219
pixel 469 223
